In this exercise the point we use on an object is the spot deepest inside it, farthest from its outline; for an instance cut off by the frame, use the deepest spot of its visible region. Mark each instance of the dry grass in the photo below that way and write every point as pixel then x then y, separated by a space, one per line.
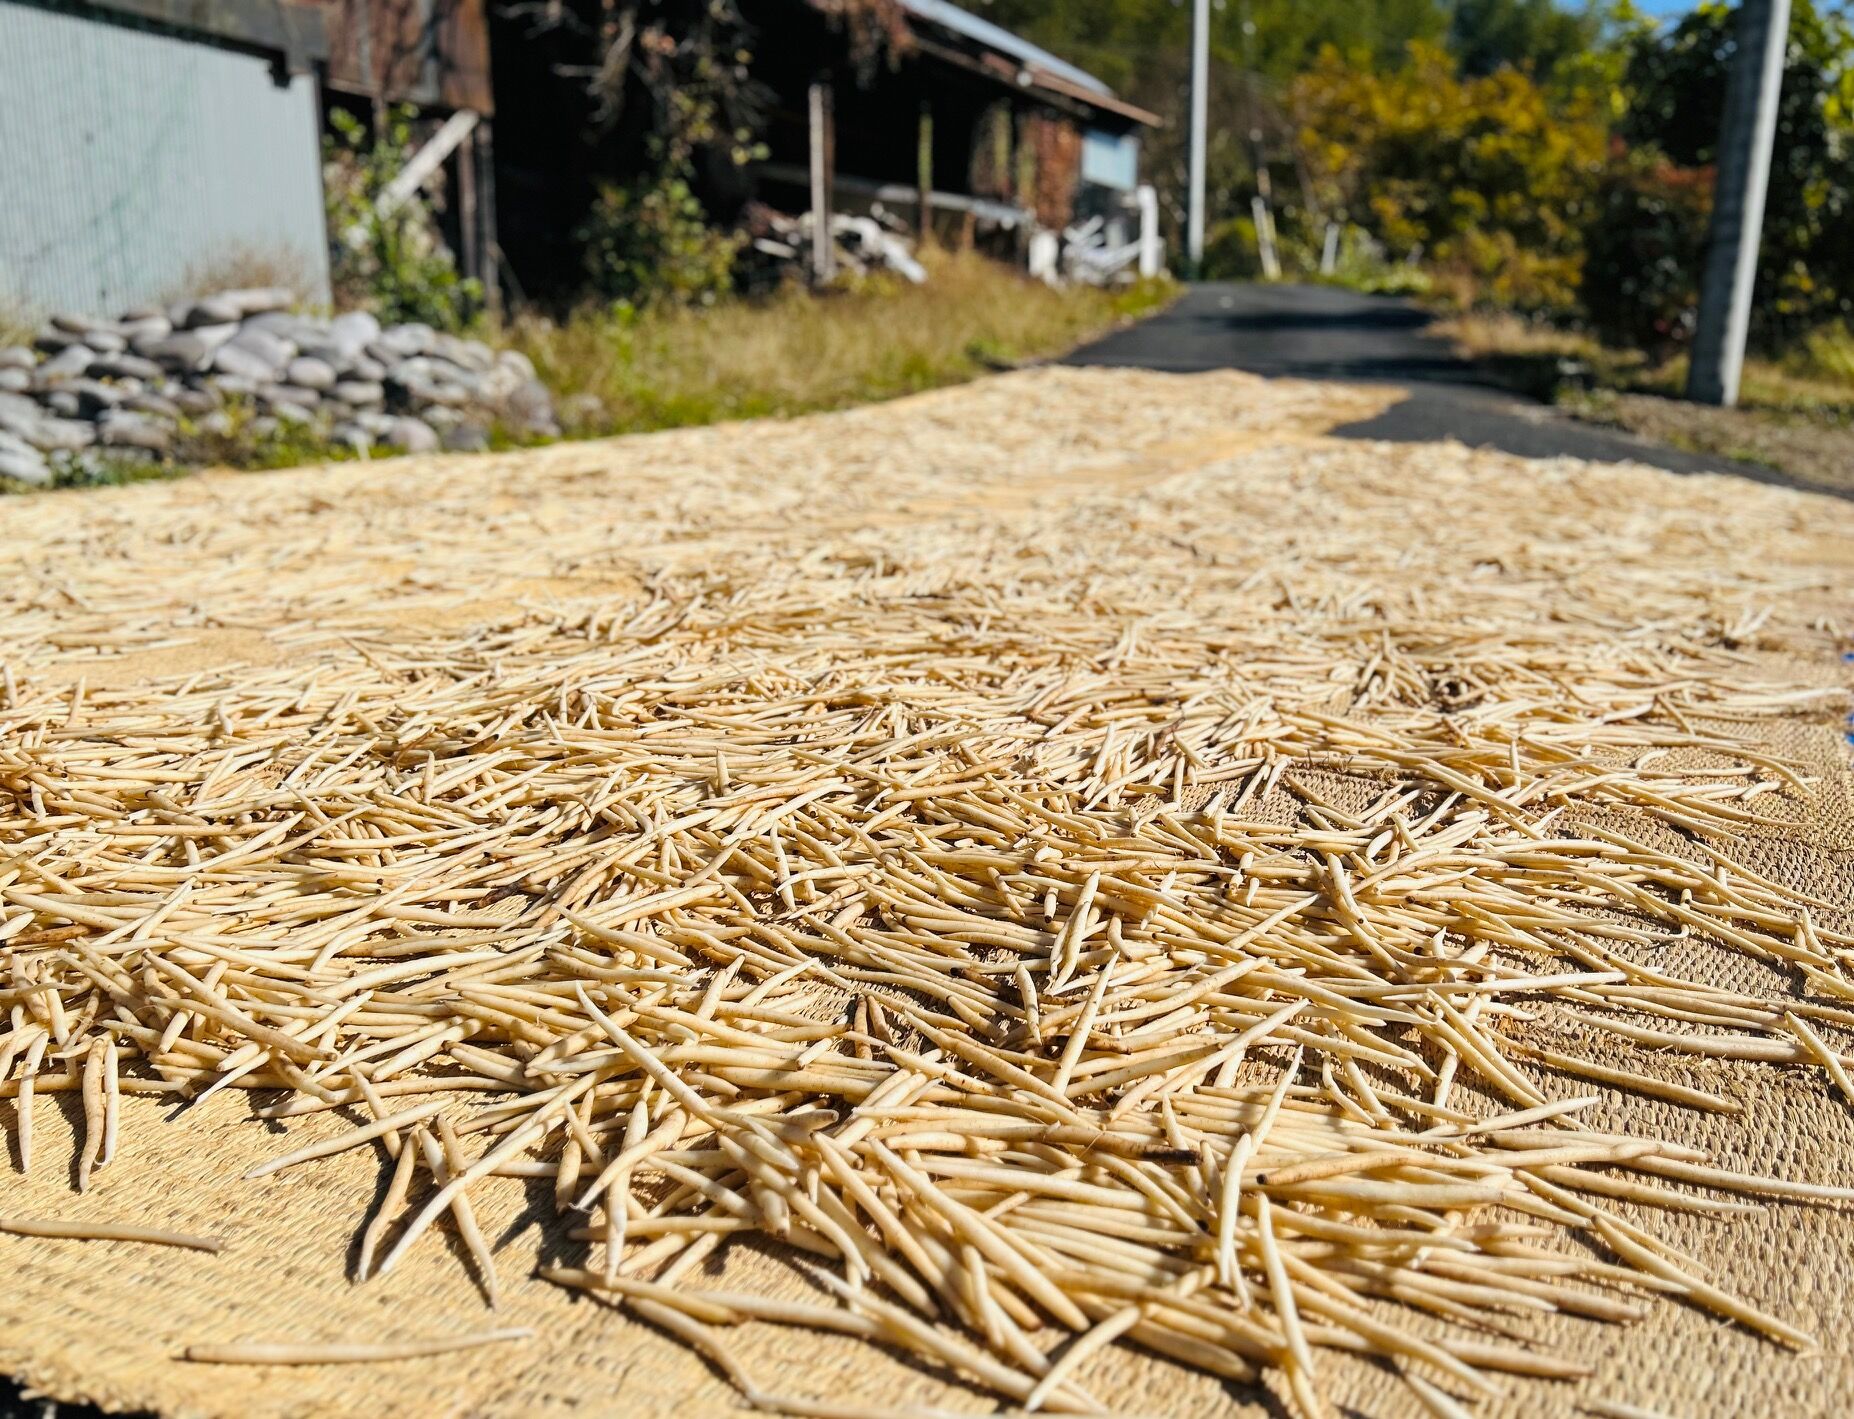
pixel 1483 335
pixel 240 267
pixel 1795 415
pixel 1828 355
pixel 17 325
pixel 794 353
pixel 1813 445
pixel 624 371
pixel 1062 908
pixel 1818 374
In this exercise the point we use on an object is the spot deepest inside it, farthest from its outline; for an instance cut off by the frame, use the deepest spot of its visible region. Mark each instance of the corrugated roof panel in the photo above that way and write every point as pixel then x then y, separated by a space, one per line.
pixel 134 158
pixel 964 22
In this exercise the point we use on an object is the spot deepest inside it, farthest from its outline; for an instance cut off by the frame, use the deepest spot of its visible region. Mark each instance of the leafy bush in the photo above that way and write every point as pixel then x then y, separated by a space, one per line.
pixel 1828 353
pixel 1363 266
pixel 392 263
pixel 1490 177
pixel 1645 250
pixel 1230 252
pixel 653 243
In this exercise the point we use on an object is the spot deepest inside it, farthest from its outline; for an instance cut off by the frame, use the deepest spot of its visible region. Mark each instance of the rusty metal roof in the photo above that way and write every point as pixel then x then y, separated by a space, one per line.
pixel 1026 64
pixel 996 37
pixel 276 27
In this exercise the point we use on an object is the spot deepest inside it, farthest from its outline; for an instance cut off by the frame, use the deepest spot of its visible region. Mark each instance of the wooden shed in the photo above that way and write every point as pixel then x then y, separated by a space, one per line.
pixel 432 55
pixel 966 118
pixel 956 122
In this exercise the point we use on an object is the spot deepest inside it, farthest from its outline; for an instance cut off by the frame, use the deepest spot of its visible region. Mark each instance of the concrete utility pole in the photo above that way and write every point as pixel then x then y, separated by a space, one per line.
pixel 1746 135
pixel 1200 123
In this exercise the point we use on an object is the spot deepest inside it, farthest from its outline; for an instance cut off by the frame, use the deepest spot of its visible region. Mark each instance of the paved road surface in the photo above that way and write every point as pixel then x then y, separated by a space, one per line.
pixel 1321 332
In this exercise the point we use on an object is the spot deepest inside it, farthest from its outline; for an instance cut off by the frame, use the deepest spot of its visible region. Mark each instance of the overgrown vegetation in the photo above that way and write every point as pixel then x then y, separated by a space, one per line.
pixel 389 261
pixel 622 369
pixel 653 242
pixel 670 102
pixel 1485 177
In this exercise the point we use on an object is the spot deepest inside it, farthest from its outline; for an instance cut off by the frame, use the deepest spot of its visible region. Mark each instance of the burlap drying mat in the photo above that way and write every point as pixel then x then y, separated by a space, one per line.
pixel 105 1322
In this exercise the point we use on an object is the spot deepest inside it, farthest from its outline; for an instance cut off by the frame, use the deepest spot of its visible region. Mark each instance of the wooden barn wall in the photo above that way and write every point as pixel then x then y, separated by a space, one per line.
pixel 1055 142
pixel 432 53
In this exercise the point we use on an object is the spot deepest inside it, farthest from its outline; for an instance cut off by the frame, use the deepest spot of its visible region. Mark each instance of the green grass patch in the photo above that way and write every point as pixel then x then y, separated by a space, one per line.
pixel 615 369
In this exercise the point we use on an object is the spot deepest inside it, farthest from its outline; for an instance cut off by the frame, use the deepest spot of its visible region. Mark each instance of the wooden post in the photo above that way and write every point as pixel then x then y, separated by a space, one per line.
pixel 823 252
pixel 362 21
pixel 489 254
pixel 924 172
pixel 1151 250
pixel 1023 181
pixel 1265 238
pixel 469 234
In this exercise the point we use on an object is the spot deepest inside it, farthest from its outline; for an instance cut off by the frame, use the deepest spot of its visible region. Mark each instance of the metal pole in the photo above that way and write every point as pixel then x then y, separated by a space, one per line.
pixel 1746 135
pixel 1200 122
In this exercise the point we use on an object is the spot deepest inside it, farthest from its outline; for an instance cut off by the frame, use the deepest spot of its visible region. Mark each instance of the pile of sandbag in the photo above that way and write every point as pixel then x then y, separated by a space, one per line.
pixel 155 383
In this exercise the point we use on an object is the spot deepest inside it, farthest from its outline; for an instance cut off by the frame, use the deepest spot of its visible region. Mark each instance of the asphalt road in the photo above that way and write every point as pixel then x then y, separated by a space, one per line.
pixel 1321 332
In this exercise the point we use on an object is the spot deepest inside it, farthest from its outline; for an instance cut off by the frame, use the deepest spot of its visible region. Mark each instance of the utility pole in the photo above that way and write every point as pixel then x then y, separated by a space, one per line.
pixel 1200 122
pixel 1746 135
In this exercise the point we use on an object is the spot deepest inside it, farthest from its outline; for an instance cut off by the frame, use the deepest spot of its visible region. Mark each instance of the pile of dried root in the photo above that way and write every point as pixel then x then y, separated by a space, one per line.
pixel 1174 915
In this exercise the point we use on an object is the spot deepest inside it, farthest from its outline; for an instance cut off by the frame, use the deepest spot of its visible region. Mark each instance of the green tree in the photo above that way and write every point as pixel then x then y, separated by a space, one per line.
pixel 1642 251
pixel 1488 178
pixel 1537 35
pixel 1257 47
pixel 1675 82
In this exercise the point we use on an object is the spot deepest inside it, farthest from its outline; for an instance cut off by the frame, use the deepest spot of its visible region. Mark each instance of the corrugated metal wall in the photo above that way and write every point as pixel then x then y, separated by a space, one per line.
pixel 131 160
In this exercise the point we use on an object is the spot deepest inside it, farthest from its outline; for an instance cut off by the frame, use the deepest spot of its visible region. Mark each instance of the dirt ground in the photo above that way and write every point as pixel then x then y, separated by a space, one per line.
pixel 1816 447
pixel 1131 496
